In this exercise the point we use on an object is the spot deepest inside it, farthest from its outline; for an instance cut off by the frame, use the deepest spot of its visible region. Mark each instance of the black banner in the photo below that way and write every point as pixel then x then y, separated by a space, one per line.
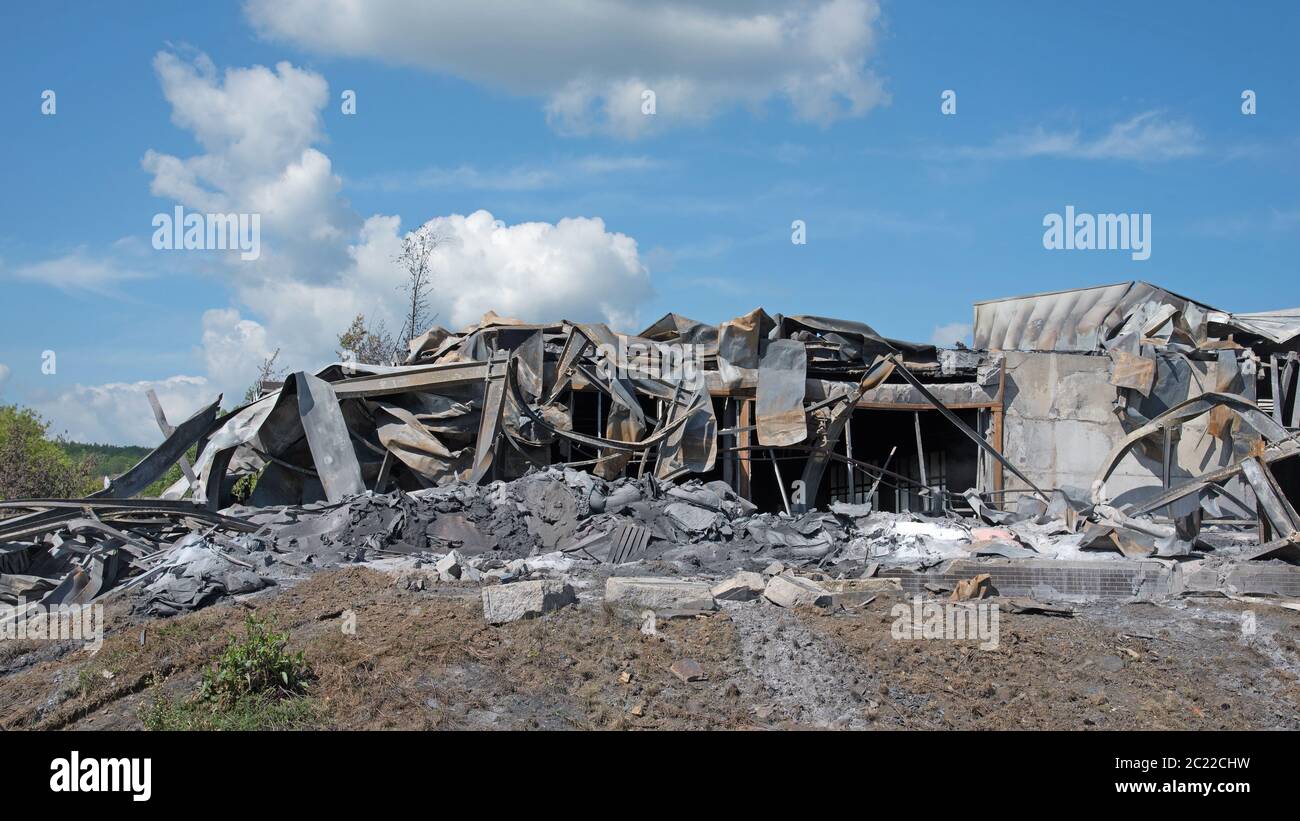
pixel 148 771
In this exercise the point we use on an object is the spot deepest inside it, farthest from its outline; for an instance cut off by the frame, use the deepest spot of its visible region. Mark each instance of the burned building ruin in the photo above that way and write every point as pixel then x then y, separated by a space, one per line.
pixel 1139 423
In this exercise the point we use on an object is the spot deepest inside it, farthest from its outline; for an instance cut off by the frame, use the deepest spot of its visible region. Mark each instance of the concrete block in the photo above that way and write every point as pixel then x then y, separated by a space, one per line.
pixel 743 586
pixel 655 593
pixel 448 567
pixel 856 592
pixel 790 591
pixel 510 602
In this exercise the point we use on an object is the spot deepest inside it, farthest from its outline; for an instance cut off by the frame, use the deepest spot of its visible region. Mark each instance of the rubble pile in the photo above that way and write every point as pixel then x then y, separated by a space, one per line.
pixel 540 454
pixel 552 525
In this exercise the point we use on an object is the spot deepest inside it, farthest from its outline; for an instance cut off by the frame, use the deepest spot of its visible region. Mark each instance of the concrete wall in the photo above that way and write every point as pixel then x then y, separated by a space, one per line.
pixel 1060 425
pixel 1052 579
pixel 1055 580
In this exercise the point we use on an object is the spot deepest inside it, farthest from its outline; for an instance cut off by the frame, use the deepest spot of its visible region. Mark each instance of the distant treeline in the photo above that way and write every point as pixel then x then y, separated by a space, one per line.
pixel 34 465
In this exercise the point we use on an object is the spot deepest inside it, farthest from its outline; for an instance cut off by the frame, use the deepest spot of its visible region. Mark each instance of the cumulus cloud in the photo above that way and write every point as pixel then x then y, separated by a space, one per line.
pixel 233 350
pixel 5 373
pixel 1147 137
pixel 118 412
pixel 947 336
pixel 574 269
pixel 321 262
pixel 258 128
pixel 591 60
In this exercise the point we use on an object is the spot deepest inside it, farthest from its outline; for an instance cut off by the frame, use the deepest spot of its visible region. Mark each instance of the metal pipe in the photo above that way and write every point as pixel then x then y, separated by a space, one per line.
pixel 780 483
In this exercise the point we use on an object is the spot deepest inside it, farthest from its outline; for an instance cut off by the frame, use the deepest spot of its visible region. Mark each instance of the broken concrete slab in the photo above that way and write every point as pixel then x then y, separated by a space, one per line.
pixel 504 603
pixel 639 593
pixel 743 586
pixel 448 567
pixel 1024 604
pixel 792 591
pixel 691 518
pixel 857 592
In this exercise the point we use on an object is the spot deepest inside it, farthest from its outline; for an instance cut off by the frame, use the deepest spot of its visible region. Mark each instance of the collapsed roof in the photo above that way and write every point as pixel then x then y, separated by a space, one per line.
pixel 500 399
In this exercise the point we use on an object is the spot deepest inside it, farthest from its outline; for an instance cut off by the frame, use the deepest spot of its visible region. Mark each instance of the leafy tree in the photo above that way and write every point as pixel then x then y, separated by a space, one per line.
pixel 371 345
pixel 33 466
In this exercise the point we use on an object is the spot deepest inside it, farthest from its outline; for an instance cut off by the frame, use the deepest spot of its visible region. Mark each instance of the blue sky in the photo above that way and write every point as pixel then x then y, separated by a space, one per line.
pixel 767 112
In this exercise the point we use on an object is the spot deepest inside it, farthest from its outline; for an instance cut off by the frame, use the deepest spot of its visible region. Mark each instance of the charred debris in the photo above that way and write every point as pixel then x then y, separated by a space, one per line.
pixel 1122 423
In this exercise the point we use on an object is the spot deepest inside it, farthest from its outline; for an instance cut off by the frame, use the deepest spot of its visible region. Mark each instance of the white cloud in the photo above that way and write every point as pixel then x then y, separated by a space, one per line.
pixel 5 373
pixel 590 60
pixel 321 263
pixel 258 128
pixel 517 178
pixel 78 271
pixel 1147 137
pixel 119 412
pixel 233 351
pixel 947 336
pixel 574 269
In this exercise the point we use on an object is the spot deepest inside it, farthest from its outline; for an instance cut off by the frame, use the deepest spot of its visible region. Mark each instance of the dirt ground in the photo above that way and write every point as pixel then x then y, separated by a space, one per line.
pixel 424 659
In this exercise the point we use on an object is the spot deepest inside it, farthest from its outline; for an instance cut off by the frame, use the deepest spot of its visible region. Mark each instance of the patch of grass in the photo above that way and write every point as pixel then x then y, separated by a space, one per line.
pixel 189 630
pixel 256 684
pixel 253 712
pixel 96 675
pixel 11 649
pixel 90 679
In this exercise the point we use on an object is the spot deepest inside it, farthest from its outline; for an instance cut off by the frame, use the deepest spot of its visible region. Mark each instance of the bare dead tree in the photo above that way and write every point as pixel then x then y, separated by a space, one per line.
pixel 266 372
pixel 417 257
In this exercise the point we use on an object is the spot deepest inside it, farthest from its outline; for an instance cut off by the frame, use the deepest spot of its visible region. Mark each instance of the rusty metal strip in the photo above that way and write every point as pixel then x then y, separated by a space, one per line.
pixel 327 437
pixel 1282 450
pixel 599 442
pixel 489 424
pixel 155 465
pixel 781 376
pixel 415 378
pixel 1272 501
pixel 167 428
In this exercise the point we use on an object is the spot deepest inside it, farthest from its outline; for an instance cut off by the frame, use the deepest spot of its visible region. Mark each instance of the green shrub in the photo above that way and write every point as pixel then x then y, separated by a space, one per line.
pixel 32 466
pixel 258 665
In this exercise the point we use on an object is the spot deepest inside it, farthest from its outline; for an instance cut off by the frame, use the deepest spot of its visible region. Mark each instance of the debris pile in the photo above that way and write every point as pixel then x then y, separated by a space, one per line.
pixel 528 453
